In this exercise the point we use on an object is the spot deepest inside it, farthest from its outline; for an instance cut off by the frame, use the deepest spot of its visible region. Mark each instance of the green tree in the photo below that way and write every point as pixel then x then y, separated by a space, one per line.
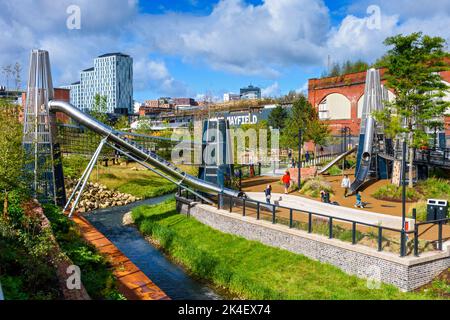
pixel 12 156
pixel 277 117
pixel 99 108
pixel 319 133
pixel 303 116
pixel 122 123
pixel 413 64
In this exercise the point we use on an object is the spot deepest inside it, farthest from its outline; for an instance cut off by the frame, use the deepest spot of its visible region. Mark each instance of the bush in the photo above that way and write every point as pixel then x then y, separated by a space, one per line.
pixel 74 165
pixel 96 272
pixel 335 171
pixel 421 211
pixel 391 192
pixel 312 187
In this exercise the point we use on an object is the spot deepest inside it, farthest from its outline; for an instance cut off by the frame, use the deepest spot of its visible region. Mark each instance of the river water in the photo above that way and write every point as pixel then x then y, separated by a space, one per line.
pixel 170 277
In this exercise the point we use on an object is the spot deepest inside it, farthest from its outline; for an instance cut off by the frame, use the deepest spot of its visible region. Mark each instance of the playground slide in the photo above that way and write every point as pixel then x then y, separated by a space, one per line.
pixel 366 158
pixel 138 151
pixel 337 159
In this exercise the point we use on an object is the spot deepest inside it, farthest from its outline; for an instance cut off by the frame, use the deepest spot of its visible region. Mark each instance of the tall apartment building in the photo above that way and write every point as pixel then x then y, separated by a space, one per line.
pixel 112 77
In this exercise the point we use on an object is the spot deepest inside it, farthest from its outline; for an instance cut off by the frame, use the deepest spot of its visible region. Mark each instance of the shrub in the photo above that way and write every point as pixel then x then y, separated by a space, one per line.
pixel 335 171
pixel 392 192
pixel 313 187
pixel 74 165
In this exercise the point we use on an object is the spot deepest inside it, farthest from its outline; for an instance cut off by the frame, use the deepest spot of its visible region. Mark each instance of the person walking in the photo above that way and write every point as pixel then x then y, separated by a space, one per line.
pixel 307 156
pixel 346 184
pixel 268 193
pixel 286 182
pixel 359 203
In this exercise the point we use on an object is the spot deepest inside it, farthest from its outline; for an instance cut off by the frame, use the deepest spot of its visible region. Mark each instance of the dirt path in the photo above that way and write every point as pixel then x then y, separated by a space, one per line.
pixel 258 184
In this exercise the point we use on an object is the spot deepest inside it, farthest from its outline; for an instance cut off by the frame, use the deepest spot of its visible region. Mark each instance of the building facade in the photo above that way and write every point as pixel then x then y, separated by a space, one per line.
pixel 112 77
pixel 250 93
pixel 340 100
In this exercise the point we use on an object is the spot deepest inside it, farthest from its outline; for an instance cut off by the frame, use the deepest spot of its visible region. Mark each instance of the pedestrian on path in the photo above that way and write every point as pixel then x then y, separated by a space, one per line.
pixel 286 182
pixel 346 184
pixel 268 193
pixel 359 203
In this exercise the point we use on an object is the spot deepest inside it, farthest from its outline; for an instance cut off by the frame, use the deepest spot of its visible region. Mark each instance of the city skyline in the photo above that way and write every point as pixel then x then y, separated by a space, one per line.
pixel 274 45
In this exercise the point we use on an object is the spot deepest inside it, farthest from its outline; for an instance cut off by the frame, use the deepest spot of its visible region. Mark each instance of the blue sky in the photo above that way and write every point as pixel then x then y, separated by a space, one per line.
pixel 197 47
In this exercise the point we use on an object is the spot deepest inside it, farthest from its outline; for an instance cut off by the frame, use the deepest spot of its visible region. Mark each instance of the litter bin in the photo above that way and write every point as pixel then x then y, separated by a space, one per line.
pixel 437 209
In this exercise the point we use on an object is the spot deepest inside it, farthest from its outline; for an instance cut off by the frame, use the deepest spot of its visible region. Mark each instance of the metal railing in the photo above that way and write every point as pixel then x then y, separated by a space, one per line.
pixel 226 202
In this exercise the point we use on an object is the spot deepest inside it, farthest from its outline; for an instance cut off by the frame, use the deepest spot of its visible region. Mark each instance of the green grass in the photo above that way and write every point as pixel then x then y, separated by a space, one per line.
pixel 250 269
pixel 131 179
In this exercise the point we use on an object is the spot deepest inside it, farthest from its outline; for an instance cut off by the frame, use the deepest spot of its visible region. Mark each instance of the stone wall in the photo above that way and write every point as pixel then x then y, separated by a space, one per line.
pixel 406 273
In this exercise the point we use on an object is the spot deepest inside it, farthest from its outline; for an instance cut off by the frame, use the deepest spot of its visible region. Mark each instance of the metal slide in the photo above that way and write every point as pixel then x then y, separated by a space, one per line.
pixel 138 152
pixel 336 160
pixel 372 102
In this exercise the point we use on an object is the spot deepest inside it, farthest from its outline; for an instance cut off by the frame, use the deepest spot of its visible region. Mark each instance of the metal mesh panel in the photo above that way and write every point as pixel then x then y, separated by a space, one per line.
pixel 37 139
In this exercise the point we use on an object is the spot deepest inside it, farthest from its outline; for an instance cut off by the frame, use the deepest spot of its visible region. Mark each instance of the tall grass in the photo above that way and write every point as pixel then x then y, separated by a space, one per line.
pixel 250 269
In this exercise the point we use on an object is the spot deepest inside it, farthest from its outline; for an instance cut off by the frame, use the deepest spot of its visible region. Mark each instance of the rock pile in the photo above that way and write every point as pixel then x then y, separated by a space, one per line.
pixel 97 196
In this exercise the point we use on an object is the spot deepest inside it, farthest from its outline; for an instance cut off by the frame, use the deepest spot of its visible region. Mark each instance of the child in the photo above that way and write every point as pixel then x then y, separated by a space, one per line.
pixel 286 181
pixel 359 203
pixel 346 184
pixel 268 193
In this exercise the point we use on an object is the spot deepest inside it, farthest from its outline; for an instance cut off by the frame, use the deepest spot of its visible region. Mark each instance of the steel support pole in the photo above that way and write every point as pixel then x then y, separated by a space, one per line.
pixel 86 178
pixel 82 178
pixel 402 240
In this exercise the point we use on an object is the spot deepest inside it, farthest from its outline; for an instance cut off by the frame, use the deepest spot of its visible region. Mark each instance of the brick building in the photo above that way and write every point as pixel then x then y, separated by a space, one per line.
pixel 59 94
pixel 340 100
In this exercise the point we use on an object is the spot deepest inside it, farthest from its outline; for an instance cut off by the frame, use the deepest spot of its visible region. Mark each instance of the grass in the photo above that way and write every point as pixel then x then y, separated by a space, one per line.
pixel 131 179
pixel 250 269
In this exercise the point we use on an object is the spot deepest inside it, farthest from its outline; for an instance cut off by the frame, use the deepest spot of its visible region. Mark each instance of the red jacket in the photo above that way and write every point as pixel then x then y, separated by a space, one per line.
pixel 286 179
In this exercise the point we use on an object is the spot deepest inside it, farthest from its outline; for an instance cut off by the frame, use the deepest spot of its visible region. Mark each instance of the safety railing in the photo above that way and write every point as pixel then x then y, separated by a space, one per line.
pixel 264 210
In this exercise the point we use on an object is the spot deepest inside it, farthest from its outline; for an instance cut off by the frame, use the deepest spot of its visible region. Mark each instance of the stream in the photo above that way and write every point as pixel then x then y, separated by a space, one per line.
pixel 170 277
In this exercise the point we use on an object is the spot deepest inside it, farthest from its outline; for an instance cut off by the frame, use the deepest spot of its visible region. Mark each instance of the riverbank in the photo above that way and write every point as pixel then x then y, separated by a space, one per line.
pixel 250 269
pixel 174 280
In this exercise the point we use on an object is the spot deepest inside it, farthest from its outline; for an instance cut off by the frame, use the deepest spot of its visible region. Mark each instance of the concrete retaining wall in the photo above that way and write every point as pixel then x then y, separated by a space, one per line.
pixel 406 273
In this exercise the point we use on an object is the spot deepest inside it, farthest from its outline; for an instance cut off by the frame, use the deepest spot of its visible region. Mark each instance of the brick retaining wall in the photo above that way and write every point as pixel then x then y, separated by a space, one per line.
pixel 406 273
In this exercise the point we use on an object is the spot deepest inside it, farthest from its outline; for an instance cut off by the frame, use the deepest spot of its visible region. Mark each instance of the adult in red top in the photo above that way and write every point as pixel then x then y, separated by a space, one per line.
pixel 286 181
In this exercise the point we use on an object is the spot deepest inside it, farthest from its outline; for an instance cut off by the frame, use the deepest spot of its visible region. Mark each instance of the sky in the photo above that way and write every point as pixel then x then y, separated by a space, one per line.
pixel 193 48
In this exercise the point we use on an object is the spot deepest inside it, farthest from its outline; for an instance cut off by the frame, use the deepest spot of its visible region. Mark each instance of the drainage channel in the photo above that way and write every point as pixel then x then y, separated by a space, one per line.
pixel 171 278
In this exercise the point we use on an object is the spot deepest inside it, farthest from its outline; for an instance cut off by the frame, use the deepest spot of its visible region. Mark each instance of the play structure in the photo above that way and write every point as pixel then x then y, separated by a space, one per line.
pixel 39 143
pixel 369 165
pixel 378 157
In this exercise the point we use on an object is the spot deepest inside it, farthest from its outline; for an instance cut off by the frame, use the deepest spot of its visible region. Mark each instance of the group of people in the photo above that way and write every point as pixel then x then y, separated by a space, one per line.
pixel 325 195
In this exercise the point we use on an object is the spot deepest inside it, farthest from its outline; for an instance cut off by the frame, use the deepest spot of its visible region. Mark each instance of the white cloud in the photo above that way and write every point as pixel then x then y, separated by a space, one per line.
pixel 271 91
pixel 242 38
pixel 263 40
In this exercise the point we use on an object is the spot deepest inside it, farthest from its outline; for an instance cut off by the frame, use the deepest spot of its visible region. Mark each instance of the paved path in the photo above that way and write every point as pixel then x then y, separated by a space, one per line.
pixel 303 204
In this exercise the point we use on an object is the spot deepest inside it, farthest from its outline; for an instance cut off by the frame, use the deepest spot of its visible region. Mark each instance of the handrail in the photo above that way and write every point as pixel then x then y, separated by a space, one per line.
pixel 273 207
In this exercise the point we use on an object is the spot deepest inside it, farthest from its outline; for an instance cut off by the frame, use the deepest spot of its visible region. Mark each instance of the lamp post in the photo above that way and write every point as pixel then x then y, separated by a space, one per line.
pixel 300 145
pixel 403 180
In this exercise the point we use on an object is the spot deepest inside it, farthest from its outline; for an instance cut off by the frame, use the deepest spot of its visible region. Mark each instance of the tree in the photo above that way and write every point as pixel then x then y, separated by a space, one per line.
pixel 12 156
pixel 319 133
pixel 413 64
pixel 122 123
pixel 100 108
pixel 302 117
pixel 277 118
